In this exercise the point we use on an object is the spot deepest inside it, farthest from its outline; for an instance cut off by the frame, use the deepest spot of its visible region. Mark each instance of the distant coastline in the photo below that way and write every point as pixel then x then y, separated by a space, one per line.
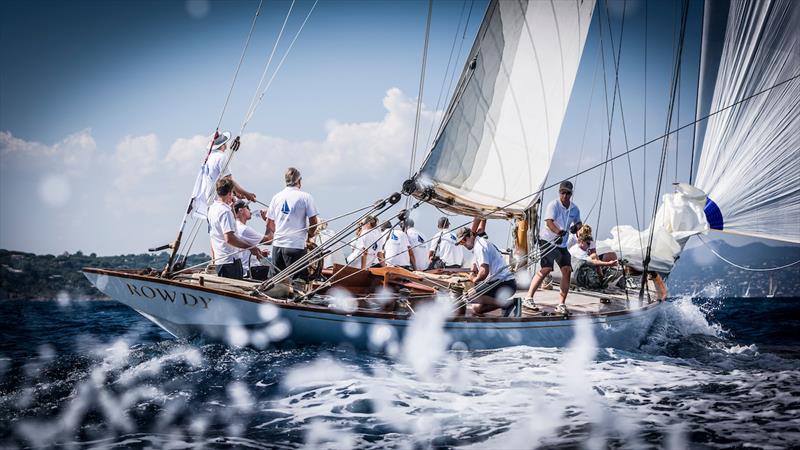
pixel 46 277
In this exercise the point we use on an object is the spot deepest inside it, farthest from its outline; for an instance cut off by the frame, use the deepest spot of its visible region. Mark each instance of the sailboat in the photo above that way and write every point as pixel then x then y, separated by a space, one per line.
pixel 490 159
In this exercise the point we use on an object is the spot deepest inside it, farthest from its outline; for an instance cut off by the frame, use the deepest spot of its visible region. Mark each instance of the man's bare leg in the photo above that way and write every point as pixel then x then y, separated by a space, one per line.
pixel 537 280
pixel 565 274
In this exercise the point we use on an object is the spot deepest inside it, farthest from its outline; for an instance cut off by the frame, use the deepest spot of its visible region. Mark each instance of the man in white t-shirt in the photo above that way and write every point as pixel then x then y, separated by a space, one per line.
pixel 443 248
pixel 252 266
pixel 561 217
pixel 418 245
pixel 291 221
pixel 225 244
pixel 369 245
pixel 213 170
pixel 489 272
pixel 396 248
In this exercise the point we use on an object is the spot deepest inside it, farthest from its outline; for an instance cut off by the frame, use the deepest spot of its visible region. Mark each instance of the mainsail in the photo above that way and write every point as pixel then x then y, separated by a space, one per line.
pixel 502 125
pixel 750 162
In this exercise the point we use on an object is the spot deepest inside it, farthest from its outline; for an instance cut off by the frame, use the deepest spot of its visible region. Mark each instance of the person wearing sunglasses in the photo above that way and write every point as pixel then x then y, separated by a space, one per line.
pixel 562 217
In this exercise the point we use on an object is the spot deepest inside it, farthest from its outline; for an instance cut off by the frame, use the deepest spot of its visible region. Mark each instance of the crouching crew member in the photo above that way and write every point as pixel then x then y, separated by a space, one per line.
pixel 489 269
pixel 225 244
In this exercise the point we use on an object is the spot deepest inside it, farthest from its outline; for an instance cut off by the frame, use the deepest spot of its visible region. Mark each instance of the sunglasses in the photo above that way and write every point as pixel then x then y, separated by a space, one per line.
pixel 567 193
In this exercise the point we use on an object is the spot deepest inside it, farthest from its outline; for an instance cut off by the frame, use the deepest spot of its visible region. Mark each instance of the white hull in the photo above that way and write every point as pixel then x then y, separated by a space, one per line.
pixel 188 311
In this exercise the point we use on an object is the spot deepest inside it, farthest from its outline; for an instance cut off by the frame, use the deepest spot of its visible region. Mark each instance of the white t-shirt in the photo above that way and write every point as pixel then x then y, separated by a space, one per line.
pixel 251 237
pixel 289 209
pixel 486 253
pixel 221 221
pixel 337 257
pixel 395 248
pixel 563 217
pixel 205 185
pixel 354 258
pixel 372 240
pixel 419 247
pixel 448 251
pixel 579 255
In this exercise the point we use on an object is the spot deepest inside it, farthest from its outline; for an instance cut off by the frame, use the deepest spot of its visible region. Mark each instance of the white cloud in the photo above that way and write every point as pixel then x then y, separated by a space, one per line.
pixel 138 191
pixel 134 159
pixel 72 154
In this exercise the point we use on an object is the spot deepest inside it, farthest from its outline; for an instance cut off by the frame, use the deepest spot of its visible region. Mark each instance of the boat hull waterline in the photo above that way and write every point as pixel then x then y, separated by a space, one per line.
pixel 190 311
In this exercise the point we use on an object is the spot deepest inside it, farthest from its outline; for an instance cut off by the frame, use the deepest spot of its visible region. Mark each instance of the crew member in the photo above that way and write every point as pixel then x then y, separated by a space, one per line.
pixel 489 272
pixel 291 221
pixel 222 230
pixel 252 266
pixel 418 247
pixel 443 251
pixel 396 248
pixel 561 217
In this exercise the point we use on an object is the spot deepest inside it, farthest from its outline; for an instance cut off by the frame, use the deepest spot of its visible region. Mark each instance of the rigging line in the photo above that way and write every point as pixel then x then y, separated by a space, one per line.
pixel 645 144
pixel 697 96
pixel 609 116
pixel 749 269
pixel 455 67
pixel 466 75
pixel 665 144
pixel 239 66
pixel 280 64
pixel 447 71
pixel 318 253
pixel 588 111
pixel 192 234
pixel 266 66
pixel 618 90
pixel 644 131
pixel 419 95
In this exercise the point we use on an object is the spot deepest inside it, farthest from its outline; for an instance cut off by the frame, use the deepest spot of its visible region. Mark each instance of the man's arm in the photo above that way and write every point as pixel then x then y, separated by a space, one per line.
pixel 483 272
pixel 411 256
pixel 235 241
pixel 312 226
pixel 551 225
pixel 270 229
pixel 239 191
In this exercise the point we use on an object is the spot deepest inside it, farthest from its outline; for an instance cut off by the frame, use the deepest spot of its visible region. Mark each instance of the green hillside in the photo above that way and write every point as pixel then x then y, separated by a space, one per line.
pixel 25 275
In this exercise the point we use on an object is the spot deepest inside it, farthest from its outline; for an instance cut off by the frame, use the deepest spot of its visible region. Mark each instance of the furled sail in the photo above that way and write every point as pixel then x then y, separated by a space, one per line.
pixel 750 161
pixel 502 125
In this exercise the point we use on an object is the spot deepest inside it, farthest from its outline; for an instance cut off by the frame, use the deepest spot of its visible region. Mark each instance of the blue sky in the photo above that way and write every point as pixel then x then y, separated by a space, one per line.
pixel 106 107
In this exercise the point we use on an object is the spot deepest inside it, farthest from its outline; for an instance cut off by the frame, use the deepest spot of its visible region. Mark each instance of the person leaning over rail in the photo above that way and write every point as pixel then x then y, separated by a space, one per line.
pixel 561 217
pixel 489 272
pixel 592 271
pixel 418 247
pixel 443 251
pixel 251 266
pixel 222 230
pixel 291 222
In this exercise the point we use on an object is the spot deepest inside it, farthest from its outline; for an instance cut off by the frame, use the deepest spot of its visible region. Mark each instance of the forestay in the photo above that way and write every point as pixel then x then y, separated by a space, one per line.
pixel 502 125
pixel 750 162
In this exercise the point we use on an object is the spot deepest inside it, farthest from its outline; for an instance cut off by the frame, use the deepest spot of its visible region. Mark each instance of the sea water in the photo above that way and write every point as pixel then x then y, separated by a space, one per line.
pixel 710 373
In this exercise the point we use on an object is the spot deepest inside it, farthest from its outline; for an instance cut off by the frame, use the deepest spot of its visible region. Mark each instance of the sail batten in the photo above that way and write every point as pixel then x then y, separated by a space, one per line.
pixel 502 125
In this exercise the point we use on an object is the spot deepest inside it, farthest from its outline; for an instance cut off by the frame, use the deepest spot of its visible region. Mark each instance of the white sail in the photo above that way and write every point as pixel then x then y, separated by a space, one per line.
pixel 501 128
pixel 750 162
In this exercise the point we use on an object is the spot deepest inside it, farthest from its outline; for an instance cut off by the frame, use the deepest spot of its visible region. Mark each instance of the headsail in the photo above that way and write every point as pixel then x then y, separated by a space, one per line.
pixel 750 162
pixel 502 125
